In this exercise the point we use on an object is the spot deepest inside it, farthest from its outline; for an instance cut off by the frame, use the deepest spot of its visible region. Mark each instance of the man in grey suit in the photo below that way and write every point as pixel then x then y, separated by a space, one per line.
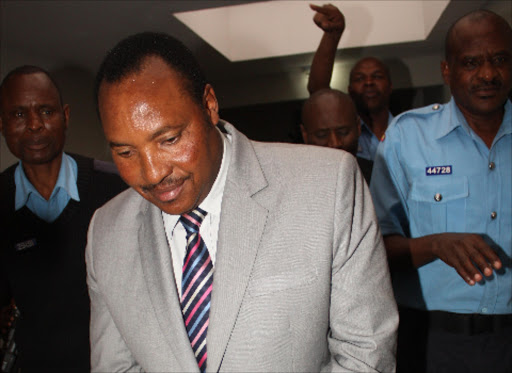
pixel 227 254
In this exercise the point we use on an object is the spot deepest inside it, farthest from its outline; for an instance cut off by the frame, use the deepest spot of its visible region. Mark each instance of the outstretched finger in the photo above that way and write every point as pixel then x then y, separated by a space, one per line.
pixel 319 9
pixel 481 262
pixel 492 257
pixel 466 276
pixel 465 268
pixel 484 256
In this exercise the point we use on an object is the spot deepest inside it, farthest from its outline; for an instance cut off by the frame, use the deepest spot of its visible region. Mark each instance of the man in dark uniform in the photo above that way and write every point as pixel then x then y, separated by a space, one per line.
pixel 47 200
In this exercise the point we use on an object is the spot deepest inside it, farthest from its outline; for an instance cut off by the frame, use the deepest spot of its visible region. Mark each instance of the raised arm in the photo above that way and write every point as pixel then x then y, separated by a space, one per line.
pixel 332 22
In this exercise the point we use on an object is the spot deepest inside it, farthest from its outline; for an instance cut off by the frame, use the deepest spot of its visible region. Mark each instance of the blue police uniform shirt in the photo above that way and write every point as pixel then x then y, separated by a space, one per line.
pixel 368 142
pixel 434 174
pixel 64 190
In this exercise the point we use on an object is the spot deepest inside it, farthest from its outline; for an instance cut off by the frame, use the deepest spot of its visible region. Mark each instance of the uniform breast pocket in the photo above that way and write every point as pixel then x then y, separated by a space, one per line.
pixel 437 204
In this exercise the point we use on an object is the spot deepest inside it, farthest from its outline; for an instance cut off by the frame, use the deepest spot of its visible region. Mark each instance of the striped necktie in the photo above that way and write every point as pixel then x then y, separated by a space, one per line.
pixel 196 285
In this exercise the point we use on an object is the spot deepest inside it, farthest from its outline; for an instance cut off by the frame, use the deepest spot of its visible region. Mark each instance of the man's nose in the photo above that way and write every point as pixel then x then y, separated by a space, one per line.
pixel 369 80
pixel 334 140
pixel 34 121
pixel 487 71
pixel 153 169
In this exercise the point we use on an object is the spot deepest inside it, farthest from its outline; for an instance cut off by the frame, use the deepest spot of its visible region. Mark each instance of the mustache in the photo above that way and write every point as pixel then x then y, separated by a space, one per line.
pixel 495 83
pixel 169 181
pixel 37 140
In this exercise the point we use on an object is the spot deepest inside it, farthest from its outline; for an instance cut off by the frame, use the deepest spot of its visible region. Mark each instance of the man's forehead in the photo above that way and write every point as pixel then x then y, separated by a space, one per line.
pixel 152 74
pixel 337 116
pixel 28 80
pixel 488 28
pixel 36 85
pixel 333 124
pixel 369 63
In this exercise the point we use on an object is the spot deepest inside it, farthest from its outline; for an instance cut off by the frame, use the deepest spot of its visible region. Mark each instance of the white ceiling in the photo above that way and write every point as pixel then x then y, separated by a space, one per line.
pixel 75 35
pixel 283 28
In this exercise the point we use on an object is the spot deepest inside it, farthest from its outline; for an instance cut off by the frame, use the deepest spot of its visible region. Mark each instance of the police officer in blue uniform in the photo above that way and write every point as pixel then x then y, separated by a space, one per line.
pixel 442 186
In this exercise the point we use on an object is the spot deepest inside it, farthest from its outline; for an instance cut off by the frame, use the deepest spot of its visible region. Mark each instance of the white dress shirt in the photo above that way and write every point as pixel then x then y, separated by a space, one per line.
pixel 209 231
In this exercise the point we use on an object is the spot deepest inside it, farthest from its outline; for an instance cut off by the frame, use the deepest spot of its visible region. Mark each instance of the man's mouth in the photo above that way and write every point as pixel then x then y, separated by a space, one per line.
pixel 36 144
pixel 165 191
pixel 486 92
pixel 370 94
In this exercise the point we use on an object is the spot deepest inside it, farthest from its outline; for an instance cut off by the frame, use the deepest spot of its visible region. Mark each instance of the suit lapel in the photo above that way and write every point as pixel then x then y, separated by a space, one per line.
pixel 241 227
pixel 158 273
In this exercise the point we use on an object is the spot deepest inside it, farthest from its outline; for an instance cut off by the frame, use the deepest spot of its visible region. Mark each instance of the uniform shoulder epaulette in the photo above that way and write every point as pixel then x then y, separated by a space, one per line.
pixel 422 111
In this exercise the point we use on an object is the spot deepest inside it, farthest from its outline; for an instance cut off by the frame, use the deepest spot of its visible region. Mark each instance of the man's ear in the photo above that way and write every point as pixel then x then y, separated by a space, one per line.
pixel 350 90
pixel 304 134
pixel 65 111
pixel 445 72
pixel 210 104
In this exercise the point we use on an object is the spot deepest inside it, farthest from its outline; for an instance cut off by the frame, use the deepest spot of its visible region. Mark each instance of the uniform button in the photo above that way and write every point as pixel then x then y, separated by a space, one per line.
pixel 438 197
pixel 484 310
pixel 491 166
pixel 494 214
pixel 435 107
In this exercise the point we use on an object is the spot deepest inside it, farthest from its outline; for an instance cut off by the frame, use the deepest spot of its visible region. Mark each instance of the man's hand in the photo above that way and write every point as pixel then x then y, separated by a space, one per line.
pixel 328 18
pixel 467 253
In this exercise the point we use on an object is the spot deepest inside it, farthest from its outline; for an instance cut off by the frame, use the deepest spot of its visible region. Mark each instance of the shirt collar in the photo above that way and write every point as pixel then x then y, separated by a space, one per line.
pixel 66 181
pixel 213 201
pixel 365 127
pixel 506 125
pixel 457 120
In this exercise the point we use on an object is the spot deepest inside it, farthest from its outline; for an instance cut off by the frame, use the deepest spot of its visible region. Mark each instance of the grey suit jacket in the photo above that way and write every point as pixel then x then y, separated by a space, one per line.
pixel 301 280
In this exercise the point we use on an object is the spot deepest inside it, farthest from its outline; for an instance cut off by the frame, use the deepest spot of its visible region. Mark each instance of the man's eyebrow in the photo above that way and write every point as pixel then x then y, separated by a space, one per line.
pixel 161 131
pixel 113 144
pixel 16 107
pixel 151 137
pixel 503 52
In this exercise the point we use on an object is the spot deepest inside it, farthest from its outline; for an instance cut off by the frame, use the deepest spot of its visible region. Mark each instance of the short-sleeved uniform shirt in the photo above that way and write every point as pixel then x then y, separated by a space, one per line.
pixel 368 142
pixel 434 174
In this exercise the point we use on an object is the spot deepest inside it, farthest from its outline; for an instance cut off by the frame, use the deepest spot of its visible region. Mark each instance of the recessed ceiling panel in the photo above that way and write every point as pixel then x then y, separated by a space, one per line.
pixel 281 28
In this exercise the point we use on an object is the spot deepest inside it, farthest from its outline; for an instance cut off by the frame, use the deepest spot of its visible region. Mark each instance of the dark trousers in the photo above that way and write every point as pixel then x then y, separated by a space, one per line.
pixel 438 342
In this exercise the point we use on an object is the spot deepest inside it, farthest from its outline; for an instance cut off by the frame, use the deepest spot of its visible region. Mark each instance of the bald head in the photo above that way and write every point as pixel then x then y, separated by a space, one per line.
pixel 456 34
pixel 329 118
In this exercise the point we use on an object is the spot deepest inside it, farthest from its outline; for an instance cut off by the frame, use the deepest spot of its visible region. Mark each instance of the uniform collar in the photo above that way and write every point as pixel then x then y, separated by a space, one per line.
pixel 66 181
pixel 366 128
pixel 457 120
pixel 506 125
